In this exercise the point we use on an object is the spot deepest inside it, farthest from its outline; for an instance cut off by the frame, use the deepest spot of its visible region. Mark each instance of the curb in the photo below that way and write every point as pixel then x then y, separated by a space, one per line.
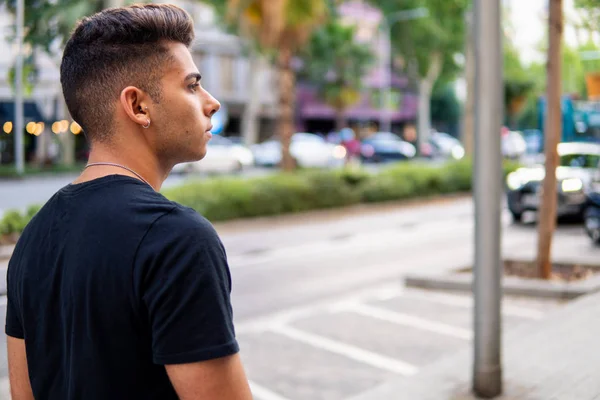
pixel 463 282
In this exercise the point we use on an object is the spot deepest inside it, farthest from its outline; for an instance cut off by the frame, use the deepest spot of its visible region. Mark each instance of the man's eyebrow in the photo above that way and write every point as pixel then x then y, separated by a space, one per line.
pixel 193 75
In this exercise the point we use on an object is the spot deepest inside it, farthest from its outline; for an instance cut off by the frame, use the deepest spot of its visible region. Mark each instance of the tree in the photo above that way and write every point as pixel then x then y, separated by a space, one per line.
pixel 547 221
pixel 337 64
pixel 429 45
pixel 280 27
pixel 445 108
pixel 518 83
pixel 48 25
pixel 589 14
pixel 50 22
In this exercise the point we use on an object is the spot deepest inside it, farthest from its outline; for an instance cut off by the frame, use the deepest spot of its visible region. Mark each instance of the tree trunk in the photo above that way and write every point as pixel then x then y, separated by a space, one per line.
pixel 250 118
pixel 547 218
pixel 425 88
pixel 469 113
pixel 287 93
pixel 340 120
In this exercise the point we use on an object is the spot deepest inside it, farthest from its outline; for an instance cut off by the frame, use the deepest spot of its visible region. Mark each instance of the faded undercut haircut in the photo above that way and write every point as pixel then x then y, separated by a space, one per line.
pixel 113 49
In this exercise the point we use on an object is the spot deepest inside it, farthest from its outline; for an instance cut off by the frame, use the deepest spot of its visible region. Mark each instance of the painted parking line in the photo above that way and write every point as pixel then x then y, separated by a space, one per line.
pixel 346 350
pixel 467 302
pixel 409 320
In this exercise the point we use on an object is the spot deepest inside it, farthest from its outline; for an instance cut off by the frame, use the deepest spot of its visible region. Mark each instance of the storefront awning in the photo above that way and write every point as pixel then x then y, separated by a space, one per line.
pixel 30 110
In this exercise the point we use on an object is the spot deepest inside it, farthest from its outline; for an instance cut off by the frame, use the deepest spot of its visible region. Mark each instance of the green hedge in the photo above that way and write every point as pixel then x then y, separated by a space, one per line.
pixel 221 199
pixel 13 221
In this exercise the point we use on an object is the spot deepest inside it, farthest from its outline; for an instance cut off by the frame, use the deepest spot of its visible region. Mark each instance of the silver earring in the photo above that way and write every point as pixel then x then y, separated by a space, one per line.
pixel 148 125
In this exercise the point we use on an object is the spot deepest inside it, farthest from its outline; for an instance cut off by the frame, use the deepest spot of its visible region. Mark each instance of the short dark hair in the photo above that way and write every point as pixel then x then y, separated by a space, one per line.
pixel 113 49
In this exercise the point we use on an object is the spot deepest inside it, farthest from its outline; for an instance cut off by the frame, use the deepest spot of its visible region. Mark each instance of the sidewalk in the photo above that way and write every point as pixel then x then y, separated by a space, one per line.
pixel 556 358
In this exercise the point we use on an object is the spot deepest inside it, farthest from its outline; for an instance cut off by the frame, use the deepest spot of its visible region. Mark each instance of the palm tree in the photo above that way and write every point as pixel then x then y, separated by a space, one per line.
pixel 336 63
pixel 280 28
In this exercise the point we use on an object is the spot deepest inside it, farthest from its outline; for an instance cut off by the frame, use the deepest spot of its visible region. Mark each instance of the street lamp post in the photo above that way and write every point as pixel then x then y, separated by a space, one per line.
pixel 487 368
pixel 386 59
pixel 18 128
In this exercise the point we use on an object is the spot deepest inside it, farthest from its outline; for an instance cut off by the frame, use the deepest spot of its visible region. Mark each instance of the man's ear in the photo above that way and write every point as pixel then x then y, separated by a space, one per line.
pixel 134 102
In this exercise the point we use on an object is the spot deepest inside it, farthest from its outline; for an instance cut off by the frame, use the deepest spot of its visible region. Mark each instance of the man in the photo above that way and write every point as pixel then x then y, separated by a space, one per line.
pixel 114 292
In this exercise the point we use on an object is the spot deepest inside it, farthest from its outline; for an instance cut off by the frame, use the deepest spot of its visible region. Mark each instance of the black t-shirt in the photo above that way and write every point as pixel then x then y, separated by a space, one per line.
pixel 110 282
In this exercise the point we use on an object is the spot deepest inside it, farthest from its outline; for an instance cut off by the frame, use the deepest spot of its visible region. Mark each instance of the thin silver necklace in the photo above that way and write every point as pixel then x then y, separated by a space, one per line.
pixel 119 166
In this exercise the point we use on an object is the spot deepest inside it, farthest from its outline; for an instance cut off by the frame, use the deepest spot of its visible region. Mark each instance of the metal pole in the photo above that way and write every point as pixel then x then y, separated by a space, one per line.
pixel 18 131
pixel 487 369
pixel 384 117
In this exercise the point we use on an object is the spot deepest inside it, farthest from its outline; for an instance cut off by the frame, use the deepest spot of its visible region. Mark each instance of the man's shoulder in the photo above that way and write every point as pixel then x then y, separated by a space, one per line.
pixel 184 221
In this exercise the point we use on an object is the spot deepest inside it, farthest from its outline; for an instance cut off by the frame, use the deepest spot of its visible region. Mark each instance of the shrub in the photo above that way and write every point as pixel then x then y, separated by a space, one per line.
pixel 221 199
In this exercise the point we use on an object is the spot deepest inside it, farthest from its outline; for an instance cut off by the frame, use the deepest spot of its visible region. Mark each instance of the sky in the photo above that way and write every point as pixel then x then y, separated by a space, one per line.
pixel 529 23
pixel 528 18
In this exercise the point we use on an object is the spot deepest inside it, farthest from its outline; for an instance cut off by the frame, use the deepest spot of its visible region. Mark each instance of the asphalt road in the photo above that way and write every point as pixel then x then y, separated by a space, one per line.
pixel 320 308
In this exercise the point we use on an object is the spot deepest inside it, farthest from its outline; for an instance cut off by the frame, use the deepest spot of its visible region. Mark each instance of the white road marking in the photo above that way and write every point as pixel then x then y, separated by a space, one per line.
pixel 262 393
pixel 264 323
pixel 409 320
pixel 346 350
pixel 467 302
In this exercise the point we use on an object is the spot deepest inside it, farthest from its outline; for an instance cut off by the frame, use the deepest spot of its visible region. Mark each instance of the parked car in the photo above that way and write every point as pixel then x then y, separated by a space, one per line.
pixel 577 171
pixel 307 149
pixel 222 155
pixel 591 215
pixel 385 147
pixel 441 145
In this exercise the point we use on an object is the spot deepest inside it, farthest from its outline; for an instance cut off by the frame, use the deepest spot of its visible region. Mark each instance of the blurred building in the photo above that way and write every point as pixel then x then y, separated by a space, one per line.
pixel 316 116
pixel 43 87
pixel 220 57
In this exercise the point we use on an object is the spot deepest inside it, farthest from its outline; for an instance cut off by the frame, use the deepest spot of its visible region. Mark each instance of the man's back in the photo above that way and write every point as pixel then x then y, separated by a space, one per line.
pixel 110 282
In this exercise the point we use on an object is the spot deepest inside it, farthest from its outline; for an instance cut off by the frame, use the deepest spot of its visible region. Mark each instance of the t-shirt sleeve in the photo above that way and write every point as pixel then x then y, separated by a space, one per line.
pixel 13 327
pixel 185 287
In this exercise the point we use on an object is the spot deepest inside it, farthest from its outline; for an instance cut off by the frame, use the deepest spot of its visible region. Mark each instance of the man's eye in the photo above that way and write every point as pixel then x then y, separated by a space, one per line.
pixel 194 86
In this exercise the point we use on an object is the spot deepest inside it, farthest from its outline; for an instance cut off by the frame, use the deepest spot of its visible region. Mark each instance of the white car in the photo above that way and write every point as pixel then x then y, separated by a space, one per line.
pixel 222 156
pixel 309 151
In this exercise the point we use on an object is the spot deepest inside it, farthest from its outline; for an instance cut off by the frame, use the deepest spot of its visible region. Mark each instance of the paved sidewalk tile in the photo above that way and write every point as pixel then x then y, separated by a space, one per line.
pixel 556 358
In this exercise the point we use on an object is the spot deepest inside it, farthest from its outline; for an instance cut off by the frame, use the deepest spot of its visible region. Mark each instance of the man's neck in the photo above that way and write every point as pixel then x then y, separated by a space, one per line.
pixel 144 166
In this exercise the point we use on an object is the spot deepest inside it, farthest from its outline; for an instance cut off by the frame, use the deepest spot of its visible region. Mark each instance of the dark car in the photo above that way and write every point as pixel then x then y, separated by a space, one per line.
pixel 385 147
pixel 578 169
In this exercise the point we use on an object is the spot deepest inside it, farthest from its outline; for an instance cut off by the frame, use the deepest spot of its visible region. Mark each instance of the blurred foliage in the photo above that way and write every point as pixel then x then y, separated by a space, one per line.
pixel 519 83
pixel 13 222
pixel 442 32
pixel 273 24
pixel 221 199
pixel 9 170
pixel 50 22
pixel 589 13
pixel 445 108
pixel 336 64
pixel 592 65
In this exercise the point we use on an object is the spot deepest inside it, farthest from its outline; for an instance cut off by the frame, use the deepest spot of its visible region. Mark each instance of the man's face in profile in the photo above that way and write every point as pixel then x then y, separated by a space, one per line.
pixel 183 120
